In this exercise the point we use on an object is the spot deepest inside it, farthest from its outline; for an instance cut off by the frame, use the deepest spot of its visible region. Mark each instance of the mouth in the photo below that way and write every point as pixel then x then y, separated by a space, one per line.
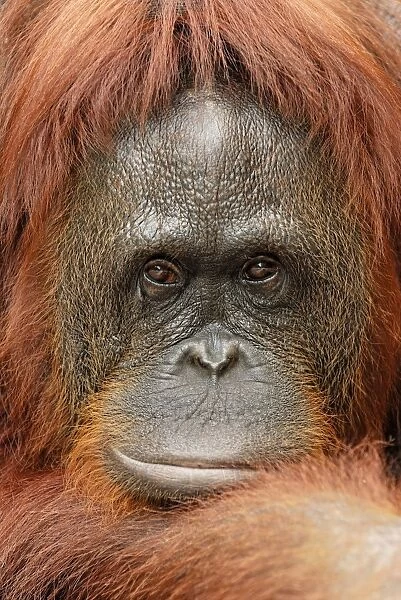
pixel 184 480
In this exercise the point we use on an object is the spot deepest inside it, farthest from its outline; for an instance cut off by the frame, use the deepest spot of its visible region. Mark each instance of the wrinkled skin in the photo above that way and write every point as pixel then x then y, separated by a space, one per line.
pixel 213 296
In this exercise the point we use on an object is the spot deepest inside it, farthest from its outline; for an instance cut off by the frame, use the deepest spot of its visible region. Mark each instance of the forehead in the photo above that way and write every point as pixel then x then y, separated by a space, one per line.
pixel 215 165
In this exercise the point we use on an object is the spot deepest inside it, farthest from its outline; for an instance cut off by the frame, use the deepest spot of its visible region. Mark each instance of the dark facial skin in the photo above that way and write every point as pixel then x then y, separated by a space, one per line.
pixel 211 297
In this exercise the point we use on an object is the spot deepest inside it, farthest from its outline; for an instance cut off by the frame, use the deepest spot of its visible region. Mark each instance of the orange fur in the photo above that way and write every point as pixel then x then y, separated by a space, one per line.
pixel 312 531
pixel 70 71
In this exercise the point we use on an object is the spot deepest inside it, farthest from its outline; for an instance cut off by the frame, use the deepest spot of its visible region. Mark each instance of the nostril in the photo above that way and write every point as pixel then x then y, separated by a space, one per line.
pixel 223 365
pixel 231 357
pixel 232 351
pixel 214 366
pixel 216 361
pixel 201 362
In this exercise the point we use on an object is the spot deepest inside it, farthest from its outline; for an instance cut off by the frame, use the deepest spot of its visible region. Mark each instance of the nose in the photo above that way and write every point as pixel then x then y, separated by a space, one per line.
pixel 213 357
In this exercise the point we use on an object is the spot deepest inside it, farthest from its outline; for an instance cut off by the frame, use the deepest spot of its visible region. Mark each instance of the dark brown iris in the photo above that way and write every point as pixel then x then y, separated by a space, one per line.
pixel 162 272
pixel 260 269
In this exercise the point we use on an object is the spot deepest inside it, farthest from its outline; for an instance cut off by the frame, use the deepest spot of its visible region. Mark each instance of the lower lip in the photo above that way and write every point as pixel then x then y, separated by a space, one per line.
pixel 181 479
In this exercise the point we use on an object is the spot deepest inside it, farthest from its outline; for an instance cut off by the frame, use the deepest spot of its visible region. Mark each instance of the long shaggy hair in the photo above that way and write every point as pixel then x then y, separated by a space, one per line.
pixel 70 72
